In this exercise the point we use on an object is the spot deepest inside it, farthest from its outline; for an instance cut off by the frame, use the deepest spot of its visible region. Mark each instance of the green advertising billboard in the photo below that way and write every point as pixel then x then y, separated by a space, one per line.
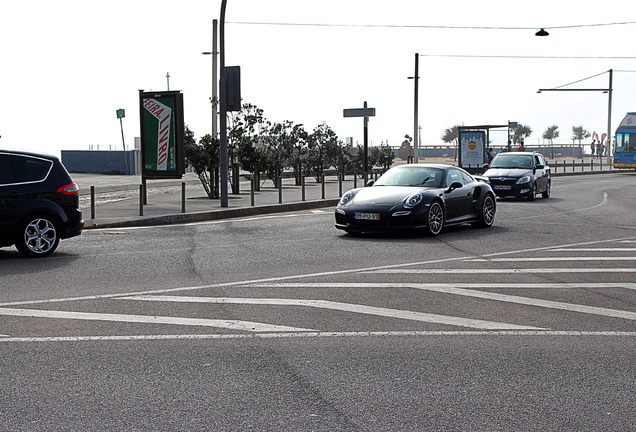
pixel 162 134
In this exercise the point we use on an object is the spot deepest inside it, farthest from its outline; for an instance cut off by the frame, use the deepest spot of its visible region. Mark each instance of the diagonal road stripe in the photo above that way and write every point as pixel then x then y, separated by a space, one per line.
pixel 225 324
pixel 505 271
pixel 535 259
pixel 455 290
pixel 343 307
pixel 284 335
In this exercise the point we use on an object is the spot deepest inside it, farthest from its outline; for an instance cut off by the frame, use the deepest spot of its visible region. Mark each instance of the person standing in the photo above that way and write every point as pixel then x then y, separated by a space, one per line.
pixel 521 147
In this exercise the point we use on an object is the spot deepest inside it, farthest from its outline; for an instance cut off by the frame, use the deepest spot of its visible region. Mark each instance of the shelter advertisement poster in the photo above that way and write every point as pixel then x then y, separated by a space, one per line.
pixel 162 134
pixel 472 148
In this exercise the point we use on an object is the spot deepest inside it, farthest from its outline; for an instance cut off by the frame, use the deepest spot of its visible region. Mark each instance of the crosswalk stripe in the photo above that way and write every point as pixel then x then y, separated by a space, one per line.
pixel 285 335
pixel 536 259
pixel 616 249
pixel 343 307
pixel 505 271
pixel 225 324
pixel 455 290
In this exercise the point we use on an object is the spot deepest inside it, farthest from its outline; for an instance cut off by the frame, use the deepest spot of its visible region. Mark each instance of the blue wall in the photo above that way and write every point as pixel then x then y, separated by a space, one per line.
pixel 97 162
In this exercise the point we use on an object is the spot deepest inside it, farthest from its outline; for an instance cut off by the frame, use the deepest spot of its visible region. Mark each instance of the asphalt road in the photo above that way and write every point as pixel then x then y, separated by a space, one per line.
pixel 284 323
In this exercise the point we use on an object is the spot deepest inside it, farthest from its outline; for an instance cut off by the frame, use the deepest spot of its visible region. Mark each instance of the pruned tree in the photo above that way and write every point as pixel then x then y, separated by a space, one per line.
pixel 521 133
pixel 578 133
pixel 205 160
pixel 551 133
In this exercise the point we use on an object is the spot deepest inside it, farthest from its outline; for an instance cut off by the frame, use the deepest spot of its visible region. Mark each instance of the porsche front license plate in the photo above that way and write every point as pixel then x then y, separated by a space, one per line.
pixel 502 187
pixel 366 216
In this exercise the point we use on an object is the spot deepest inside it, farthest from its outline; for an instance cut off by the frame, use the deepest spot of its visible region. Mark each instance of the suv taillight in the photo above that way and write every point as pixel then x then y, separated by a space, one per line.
pixel 69 189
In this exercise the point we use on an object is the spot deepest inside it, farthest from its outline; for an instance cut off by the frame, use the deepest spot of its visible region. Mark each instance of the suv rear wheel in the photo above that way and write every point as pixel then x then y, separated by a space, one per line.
pixel 38 236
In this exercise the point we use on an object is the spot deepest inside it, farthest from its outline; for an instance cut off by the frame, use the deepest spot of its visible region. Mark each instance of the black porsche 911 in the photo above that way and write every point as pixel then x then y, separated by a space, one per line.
pixel 417 197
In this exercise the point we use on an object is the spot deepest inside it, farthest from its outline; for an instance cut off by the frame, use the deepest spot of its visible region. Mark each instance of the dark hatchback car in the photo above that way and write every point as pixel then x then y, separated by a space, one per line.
pixel 39 203
pixel 519 174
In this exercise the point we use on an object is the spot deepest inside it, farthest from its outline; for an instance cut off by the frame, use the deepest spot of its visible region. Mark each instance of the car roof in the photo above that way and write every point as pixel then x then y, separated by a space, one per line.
pixel 23 153
pixel 425 165
pixel 518 153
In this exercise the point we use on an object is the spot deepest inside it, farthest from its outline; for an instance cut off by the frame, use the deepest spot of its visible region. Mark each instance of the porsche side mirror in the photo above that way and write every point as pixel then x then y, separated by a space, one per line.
pixel 454 185
pixel 539 166
pixel 370 183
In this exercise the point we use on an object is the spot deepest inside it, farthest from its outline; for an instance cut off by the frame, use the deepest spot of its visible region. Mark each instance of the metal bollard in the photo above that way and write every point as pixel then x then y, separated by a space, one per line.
pixel 302 182
pixel 92 202
pixel 252 191
pixel 323 186
pixel 141 200
pixel 355 180
pixel 280 190
pixel 339 185
pixel 183 197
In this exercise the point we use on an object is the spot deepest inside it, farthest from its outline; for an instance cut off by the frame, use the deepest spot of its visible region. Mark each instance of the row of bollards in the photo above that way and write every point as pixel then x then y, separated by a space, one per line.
pixel 278 184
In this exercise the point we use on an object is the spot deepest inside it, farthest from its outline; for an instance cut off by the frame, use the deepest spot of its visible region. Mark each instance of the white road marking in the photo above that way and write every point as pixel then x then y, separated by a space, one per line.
pixel 506 271
pixel 311 275
pixel 551 259
pixel 343 307
pixel 616 249
pixel 225 324
pixel 544 215
pixel 469 333
pixel 453 289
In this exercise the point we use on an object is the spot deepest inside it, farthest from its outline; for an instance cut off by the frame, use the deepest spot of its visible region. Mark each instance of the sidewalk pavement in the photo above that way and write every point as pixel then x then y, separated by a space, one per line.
pixel 117 201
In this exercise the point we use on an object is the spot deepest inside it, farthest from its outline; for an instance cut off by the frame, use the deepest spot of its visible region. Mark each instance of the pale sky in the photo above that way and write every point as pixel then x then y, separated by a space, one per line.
pixel 67 66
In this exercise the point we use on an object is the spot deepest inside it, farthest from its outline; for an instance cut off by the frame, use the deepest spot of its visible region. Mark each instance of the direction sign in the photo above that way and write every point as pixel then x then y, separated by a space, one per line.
pixel 359 112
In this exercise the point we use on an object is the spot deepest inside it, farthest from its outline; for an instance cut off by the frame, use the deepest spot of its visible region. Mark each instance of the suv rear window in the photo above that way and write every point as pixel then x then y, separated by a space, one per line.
pixel 23 169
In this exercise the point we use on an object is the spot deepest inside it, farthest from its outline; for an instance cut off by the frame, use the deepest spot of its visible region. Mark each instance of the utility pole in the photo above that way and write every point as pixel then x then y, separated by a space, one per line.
pixel 416 78
pixel 223 113
pixel 215 95
pixel 609 118
pixel 168 79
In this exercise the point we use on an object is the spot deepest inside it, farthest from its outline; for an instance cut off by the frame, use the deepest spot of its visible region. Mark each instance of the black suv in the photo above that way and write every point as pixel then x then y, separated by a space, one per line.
pixel 519 174
pixel 39 203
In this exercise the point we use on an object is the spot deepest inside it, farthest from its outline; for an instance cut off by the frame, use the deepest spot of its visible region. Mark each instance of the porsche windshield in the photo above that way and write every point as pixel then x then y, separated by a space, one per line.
pixel 511 160
pixel 415 176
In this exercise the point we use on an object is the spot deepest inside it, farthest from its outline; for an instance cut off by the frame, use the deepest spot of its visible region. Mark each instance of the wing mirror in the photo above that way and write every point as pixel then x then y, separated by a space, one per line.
pixel 370 183
pixel 454 185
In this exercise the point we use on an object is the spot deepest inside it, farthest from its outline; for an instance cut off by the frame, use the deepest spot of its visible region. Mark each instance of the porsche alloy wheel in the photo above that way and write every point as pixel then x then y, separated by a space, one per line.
pixel 488 209
pixel 435 219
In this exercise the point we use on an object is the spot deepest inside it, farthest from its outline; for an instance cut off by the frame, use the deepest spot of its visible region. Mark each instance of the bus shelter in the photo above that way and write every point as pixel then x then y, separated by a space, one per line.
pixel 474 143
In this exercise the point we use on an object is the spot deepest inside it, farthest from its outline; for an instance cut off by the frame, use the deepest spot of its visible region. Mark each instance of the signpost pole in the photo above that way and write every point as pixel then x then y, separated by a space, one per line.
pixel 366 113
pixel 365 156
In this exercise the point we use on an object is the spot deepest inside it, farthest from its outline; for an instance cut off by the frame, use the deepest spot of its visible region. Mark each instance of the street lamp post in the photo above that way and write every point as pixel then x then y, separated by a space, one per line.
pixel 215 96
pixel 223 111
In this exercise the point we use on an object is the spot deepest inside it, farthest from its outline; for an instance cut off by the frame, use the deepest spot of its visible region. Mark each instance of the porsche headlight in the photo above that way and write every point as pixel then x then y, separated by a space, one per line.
pixel 524 179
pixel 413 200
pixel 346 198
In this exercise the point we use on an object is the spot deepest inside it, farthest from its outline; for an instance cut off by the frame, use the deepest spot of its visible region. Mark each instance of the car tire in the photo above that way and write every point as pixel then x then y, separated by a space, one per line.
pixel 434 219
pixel 487 212
pixel 533 192
pixel 546 193
pixel 38 236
